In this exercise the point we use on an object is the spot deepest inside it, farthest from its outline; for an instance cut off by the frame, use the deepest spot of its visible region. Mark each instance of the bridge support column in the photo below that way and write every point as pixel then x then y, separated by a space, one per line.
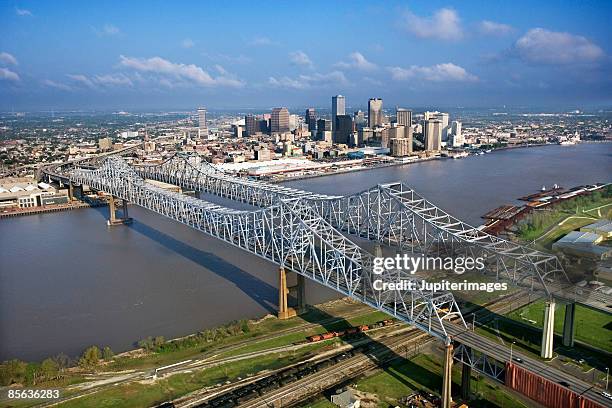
pixel 548 331
pixel 568 325
pixel 112 211
pixel 71 191
pixel 283 291
pixel 284 310
pixel 447 376
pixel 466 380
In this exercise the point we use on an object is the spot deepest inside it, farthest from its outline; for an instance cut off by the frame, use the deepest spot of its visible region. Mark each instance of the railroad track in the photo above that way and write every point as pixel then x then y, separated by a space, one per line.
pixel 359 364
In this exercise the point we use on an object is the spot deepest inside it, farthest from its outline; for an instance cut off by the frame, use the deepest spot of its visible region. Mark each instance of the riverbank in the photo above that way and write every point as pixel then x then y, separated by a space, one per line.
pixel 396 163
pixel 56 208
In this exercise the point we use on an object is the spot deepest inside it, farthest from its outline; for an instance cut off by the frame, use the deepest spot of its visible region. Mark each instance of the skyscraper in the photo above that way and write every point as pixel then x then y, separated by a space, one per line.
pixel 403 117
pixel 432 130
pixel 324 131
pixel 344 129
pixel 311 119
pixel 279 121
pixel 250 124
pixel 375 112
pixel 338 106
pixel 359 119
pixel 202 129
pixel 458 139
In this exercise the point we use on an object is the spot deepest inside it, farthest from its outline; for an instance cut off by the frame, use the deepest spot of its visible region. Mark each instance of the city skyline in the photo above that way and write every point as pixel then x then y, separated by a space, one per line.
pixel 168 56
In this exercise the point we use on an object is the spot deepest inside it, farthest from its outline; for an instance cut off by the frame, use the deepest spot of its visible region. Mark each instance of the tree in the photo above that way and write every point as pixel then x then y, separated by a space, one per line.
pixel 49 368
pixel 90 357
pixel 12 371
pixel 107 353
pixel 63 361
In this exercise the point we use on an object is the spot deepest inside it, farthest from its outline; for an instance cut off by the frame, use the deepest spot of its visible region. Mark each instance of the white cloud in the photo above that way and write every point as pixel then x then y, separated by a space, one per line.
pixel 261 41
pixel 493 28
pixel 445 24
pixel 309 81
pixel 300 58
pixel 8 75
pixel 6 58
pixel 57 85
pixel 184 73
pixel 357 61
pixel 187 43
pixel 107 30
pixel 23 12
pixel 435 73
pixel 113 80
pixel 82 79
pixel 550 47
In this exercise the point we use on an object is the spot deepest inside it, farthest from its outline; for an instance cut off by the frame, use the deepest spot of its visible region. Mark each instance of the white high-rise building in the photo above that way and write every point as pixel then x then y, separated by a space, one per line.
pixel 338 108
pixel 432 130
pixel 458 139
pixel 202 128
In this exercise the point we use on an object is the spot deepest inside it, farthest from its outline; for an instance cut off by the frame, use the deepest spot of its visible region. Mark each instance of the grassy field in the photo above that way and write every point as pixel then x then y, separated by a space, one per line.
pixel 423 372
pixel 592 327
pixel 138 394
pixel 548 225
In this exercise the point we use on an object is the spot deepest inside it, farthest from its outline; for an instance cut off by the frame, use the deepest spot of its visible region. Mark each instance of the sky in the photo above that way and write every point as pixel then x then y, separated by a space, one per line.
pixel 139 55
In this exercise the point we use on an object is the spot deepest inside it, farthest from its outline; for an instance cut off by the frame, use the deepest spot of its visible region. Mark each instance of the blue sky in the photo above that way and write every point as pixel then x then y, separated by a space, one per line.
pixel 235 54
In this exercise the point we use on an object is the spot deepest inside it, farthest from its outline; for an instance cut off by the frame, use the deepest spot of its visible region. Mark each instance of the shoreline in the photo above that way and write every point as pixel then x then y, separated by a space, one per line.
pixel 393 164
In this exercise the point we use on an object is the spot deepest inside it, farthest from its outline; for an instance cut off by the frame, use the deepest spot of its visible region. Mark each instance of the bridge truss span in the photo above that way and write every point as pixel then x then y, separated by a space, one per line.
pixel 393 214
pixel 291 234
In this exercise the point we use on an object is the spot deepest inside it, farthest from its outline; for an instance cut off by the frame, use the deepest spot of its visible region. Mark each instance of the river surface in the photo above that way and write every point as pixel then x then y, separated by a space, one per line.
pixel 68 281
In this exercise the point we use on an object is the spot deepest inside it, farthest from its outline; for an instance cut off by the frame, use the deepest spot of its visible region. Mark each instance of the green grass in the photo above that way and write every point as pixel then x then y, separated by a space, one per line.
pixel 423 372
pixel 367 318
pixel 592 327
pixel 136 394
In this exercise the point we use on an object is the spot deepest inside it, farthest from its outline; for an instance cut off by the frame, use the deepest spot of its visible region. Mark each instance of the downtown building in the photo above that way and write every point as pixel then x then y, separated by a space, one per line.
pixel 343 133
pixel 375 115
pixel 202 128
pixel 338 108
pixel 432 133
pixel 279 120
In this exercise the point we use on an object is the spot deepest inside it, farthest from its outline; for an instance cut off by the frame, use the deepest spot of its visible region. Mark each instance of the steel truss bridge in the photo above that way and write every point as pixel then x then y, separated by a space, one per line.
pixel 291 234
pixel 393 214
pixel 304 232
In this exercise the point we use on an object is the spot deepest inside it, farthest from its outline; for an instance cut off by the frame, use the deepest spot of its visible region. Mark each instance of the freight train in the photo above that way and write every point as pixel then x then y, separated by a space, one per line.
pixel 349 331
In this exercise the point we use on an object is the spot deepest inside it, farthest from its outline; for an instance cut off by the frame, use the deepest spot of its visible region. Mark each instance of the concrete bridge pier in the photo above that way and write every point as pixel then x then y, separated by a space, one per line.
pixel 74 192
pixel 112 211
pixel 548 331
pixel 299 290
pixel 568 325
pixel 447 381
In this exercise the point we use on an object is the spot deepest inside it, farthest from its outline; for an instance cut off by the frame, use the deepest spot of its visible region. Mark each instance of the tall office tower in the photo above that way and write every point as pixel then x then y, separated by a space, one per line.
pixel 250 124
pixel 343 129
pixel 338 105
pixel 311 119
pixel 202 129
pixel 375 117
pixel 432 130
pixel 403 117
pixel 324 130
pixel 279 121
pixel 443 117
pixel 263 125
pixel 359 119
pixel 458 139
